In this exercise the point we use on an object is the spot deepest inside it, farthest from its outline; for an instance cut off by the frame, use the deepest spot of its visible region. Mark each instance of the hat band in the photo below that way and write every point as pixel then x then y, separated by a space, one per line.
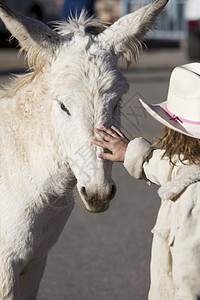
pixel 176 118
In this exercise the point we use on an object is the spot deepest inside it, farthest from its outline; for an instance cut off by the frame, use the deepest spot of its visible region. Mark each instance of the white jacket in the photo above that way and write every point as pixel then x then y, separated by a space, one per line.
pixel 175 261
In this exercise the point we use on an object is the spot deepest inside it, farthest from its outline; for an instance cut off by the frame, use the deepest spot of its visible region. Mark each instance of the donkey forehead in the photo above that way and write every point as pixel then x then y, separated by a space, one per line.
pixel 91 69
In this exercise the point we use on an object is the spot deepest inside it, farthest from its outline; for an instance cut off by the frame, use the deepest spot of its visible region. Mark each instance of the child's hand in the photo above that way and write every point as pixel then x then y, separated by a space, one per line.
pixel 114 140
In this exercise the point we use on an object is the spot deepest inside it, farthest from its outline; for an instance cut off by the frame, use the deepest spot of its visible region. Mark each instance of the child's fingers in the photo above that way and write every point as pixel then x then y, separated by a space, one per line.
pixel 108 131
pixel 103 134
pixel 103 127
pixel 102 144
pixel 117 131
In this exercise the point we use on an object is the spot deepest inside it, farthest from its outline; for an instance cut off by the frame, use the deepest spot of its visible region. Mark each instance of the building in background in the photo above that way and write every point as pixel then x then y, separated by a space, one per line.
pixel 192 13
pixel 171 24
pixel 180 21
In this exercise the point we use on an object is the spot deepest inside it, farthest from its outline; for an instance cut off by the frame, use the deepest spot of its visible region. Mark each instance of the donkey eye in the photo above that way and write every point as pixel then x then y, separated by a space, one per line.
pixel 64 108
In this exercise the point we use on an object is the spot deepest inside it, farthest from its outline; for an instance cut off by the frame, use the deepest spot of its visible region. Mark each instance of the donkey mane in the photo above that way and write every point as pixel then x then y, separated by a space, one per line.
pixel 16 83
pixel 82 24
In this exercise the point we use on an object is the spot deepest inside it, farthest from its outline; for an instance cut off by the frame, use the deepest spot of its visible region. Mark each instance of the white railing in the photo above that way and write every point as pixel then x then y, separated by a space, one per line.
pixel 171 24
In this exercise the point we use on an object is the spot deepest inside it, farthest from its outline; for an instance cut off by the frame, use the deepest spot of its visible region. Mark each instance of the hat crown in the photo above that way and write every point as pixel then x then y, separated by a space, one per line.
pixel 183 98
pixel 181 111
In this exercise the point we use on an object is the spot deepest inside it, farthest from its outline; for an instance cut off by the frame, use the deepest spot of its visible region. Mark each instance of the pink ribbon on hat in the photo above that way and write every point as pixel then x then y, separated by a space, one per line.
pixel 176 118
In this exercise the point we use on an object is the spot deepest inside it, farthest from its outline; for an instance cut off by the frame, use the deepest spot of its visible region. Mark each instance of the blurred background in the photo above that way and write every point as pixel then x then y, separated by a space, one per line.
pixel 107 256
pixel 178 26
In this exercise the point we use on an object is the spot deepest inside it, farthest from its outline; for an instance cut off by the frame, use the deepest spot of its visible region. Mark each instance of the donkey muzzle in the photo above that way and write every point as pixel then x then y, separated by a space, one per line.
pixel 97 200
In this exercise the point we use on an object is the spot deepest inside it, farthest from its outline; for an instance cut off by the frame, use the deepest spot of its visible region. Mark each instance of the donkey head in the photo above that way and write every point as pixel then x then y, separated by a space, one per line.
pixel 83 85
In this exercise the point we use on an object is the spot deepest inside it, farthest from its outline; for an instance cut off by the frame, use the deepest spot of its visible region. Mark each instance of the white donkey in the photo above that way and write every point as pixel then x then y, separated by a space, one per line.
pixel 47 117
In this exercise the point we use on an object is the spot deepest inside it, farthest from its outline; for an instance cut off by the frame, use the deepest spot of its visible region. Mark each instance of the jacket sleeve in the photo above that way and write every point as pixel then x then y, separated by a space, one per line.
pixel 143 161
pixel 136 153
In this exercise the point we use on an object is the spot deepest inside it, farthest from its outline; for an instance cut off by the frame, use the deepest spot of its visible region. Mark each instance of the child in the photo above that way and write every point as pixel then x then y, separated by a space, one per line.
pixel 175 261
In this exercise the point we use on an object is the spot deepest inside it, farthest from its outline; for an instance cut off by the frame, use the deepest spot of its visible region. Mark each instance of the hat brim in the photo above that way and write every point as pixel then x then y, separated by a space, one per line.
pixel 157 111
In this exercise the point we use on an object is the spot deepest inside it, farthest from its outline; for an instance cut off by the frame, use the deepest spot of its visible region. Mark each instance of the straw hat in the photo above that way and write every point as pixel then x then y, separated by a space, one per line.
pixel 181 111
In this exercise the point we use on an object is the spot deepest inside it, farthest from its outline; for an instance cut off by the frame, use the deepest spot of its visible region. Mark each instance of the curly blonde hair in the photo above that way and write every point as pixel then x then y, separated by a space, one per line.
pixel 176 143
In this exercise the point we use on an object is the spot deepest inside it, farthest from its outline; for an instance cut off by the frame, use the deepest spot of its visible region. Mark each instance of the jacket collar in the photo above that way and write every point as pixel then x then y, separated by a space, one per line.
pixel 187 175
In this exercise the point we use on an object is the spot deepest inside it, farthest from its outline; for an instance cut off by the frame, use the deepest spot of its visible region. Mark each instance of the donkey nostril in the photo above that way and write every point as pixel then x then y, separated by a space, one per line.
pixel 83 192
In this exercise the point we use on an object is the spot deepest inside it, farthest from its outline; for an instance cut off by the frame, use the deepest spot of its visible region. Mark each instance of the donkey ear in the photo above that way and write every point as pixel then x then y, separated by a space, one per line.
pixel 124 36
pixel 37 39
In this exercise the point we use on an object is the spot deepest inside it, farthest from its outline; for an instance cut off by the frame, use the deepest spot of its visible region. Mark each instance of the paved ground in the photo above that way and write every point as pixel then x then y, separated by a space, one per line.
pixel 106 256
